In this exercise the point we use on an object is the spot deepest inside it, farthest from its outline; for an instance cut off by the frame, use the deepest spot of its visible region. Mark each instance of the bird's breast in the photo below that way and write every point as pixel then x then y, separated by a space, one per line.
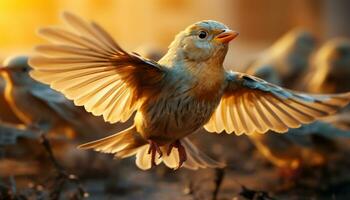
pixel 174 114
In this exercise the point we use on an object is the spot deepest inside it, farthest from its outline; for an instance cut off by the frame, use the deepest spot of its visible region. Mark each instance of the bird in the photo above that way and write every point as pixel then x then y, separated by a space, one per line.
pixel 288 57
pixel 37 106
pixel 6 113
pixel 302 148
pixel 187 89
pixel 330 67
pixel 329 72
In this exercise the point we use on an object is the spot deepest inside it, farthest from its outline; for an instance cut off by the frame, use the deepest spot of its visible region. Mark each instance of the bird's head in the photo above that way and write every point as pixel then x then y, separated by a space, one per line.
pixel 15 70
pixel 340 57
pixel 303 42
pixel 292 51
pixel 204 41
pixel 331 67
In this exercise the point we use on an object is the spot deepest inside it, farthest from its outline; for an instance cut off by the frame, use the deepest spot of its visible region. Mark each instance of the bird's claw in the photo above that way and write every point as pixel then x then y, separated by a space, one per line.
pixel 153 150
pixel 182 152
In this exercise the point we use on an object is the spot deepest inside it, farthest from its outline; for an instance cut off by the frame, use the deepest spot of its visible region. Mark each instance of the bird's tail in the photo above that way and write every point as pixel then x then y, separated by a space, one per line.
pixel 123 144
pixel 128 143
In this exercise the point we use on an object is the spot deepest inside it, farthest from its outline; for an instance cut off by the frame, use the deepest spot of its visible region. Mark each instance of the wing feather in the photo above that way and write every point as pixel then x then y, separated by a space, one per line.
pixel 251 105
pixel 249 109
pixel 90 68
pixel 65 50
pixel 241 114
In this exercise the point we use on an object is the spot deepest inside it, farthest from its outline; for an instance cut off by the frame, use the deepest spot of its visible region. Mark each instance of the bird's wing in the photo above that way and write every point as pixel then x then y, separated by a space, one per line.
pixel 89 67
pixel 250 104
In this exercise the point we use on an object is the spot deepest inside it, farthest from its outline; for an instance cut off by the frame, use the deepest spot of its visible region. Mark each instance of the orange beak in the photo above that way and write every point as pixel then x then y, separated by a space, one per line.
pixel 226 36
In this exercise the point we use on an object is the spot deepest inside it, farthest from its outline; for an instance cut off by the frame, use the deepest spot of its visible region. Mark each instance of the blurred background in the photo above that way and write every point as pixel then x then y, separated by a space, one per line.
pixel 299 44
pixel 155 22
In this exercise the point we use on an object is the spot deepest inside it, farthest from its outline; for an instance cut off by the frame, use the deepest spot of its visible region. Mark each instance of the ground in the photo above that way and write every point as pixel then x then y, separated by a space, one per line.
pixel 247 176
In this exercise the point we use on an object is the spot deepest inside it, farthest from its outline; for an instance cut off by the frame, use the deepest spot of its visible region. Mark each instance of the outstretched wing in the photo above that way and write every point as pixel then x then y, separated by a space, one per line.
pixel 89 67
pixel 250 104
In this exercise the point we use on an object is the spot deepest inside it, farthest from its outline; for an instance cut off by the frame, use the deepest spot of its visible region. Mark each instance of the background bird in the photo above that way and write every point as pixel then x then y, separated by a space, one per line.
pixel 330 68
pixel 39 107
pixel 288 57
pixel 329 73
pixel 306 146
pixel 186 89
pixel 6 113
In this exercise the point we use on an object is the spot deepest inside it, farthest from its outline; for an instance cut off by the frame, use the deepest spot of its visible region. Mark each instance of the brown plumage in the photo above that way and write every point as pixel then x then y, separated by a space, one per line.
pixel 185 90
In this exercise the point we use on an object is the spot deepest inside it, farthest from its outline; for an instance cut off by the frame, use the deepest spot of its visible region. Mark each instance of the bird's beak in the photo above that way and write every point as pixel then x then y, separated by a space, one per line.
pixel 226 36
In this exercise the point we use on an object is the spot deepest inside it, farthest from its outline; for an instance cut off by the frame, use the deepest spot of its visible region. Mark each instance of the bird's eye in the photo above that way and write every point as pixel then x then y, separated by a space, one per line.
pixel 25 69
pixel 202 34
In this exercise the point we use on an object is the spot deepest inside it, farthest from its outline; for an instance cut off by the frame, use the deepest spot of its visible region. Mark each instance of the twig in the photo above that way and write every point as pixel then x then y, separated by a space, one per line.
pixel 62 176
pixel 219 177
pixel 47 145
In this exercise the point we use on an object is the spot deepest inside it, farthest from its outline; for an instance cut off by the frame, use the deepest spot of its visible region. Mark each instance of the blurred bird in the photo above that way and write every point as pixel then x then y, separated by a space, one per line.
pixel 6 113
pixel 330 73
pixel 186 89
pixel 330 69
pixel 38 106
pixel 307 146
pixel 288 57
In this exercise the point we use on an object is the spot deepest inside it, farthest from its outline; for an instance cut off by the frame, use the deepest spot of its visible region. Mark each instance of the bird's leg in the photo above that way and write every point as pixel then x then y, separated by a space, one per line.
pixel 153 150
pixel 181 149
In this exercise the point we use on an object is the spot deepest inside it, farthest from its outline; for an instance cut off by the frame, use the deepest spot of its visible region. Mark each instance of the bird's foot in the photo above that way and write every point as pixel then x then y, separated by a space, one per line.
pixel 153 150
pixel 181 149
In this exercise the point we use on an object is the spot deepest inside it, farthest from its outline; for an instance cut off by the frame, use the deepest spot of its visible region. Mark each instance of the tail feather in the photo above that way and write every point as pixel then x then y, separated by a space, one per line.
pixel 121 142
pixel 197 159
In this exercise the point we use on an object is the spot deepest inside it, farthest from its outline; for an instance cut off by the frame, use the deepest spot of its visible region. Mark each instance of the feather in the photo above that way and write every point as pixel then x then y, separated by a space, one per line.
pixel 258 106
pixel 91 69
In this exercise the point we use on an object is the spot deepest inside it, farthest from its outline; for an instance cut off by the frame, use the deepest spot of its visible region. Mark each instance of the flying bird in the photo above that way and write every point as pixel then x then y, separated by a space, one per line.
pixel 188 88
